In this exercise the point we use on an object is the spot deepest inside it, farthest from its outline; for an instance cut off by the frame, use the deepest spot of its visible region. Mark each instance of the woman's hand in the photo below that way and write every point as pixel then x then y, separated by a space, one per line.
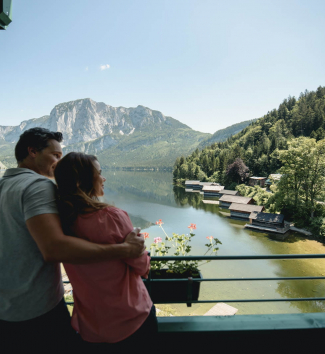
pixel 134 241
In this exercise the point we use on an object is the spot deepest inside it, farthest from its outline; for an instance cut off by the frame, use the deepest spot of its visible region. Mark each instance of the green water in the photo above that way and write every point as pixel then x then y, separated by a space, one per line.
pixel 150 196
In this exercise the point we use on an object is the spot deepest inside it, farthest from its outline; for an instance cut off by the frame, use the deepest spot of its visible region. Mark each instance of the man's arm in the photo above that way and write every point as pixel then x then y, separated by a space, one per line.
pixel 56 247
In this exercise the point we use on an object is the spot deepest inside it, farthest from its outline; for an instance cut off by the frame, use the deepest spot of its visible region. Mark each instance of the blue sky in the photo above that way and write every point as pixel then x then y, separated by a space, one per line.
pixel 207 63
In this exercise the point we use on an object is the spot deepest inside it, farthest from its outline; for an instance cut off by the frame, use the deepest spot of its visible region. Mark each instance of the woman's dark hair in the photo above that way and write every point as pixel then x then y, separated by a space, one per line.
pixel 74 175
pixel 37 138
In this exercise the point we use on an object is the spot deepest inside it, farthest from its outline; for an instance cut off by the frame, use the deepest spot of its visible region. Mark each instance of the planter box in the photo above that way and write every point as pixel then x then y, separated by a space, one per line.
pixel 169 291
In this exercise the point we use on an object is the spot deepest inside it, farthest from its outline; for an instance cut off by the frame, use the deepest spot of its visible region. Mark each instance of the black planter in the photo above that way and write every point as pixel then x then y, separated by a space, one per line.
pixel 173 291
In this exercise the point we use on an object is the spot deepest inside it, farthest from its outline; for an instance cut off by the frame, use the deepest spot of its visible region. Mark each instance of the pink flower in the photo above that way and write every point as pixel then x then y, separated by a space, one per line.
pixel 157 240
pixel 145 235
pixel 192 227
pixel 159 222
pixel 209 238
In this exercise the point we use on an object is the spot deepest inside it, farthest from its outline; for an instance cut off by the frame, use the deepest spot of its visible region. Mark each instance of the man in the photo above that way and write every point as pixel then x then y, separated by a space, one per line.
pixel 32 243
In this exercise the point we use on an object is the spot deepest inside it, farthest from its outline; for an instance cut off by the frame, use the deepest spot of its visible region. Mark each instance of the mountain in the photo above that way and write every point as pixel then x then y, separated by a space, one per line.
pixel 86 120
pixel 121 137
pixel 224 134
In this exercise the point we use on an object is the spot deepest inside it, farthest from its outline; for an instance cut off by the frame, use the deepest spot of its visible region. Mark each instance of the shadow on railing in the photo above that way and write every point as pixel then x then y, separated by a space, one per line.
pixel 190 281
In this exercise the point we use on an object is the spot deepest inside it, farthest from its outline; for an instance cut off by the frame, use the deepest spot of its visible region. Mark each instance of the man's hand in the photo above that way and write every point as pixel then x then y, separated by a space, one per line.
pixel 135 243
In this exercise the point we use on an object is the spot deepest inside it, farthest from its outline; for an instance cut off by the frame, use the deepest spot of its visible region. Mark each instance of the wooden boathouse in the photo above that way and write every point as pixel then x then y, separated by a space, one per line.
pixel 226 200
pixel 212 191
pixel 244 211
pixel 268 222
pixel 267 219
pixel 202 184
pixel 228 192
pixel 192 184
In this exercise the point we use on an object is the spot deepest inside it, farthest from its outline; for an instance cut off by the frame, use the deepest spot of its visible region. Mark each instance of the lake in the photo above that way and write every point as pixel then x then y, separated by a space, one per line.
pixel 149 196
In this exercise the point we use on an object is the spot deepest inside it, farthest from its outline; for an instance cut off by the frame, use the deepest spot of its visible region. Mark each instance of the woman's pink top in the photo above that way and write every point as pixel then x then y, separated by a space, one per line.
pixel 110 299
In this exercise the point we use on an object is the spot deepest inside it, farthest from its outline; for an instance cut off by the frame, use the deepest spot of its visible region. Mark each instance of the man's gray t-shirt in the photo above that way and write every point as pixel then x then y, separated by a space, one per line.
pixel 29 287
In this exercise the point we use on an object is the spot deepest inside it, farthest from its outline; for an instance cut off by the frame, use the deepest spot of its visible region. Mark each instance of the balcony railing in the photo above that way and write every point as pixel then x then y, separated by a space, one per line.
pixel 243 258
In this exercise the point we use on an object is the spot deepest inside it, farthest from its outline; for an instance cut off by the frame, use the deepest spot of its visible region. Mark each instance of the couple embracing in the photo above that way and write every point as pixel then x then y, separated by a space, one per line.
pixel 43 224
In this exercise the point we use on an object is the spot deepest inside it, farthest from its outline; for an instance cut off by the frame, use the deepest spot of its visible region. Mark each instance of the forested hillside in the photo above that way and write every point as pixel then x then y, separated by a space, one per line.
pixel 224 134
pixel 259 143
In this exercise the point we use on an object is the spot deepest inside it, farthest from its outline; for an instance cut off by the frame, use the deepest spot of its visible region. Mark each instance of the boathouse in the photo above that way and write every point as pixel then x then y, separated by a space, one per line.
pixel 202 184
pixel 267 220
pixel 192 184
pixel 260 181
pixel 226 200
pixel 212 191
pixel 244 211
pixel 228 192
pixel 191 190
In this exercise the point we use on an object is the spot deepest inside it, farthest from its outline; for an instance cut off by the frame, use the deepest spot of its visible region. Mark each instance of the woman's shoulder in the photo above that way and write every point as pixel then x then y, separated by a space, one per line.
pixel 110 212
pixel 88 213
pixel 107 221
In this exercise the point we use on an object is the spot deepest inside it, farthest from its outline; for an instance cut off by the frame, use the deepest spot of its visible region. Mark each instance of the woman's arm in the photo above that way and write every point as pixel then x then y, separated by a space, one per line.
pixel 116 225
pixel 139 265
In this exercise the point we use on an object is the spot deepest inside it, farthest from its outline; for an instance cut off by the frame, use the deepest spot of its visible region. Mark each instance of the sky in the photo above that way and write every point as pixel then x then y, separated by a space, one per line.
pixel 206 63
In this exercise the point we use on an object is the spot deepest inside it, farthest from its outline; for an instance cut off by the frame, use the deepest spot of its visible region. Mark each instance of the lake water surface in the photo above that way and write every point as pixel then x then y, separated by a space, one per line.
pixel 149 196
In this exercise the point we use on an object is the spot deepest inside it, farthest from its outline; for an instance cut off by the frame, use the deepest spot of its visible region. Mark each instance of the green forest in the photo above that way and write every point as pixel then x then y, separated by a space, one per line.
pixel 288 140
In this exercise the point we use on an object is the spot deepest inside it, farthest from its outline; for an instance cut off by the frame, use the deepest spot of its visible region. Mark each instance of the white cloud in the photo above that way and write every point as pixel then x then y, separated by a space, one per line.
pixel 86 69
pixel 104 67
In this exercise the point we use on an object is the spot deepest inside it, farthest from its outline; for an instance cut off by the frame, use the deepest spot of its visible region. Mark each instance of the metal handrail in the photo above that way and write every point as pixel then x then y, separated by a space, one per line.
pixel 202 258
pixel 242 257
pixel 236 279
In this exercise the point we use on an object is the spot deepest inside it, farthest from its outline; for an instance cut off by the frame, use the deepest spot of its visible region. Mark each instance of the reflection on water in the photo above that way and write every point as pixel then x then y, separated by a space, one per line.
pixel 152 187
pixel 139 222
pixel 149 196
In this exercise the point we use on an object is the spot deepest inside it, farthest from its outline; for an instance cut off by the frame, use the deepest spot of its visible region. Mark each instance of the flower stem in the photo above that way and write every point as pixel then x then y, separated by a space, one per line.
pixel 164 231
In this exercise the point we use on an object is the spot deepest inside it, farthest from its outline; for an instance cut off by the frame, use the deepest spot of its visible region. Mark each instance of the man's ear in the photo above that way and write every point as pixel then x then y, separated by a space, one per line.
pixel 32 151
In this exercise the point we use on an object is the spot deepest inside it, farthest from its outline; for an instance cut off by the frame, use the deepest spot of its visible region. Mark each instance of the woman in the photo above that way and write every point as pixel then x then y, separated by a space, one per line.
pixel 111 303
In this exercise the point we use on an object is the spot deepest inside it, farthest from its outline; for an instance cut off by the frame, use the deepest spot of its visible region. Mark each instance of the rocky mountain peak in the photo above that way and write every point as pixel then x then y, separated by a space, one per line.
pixel 85 120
